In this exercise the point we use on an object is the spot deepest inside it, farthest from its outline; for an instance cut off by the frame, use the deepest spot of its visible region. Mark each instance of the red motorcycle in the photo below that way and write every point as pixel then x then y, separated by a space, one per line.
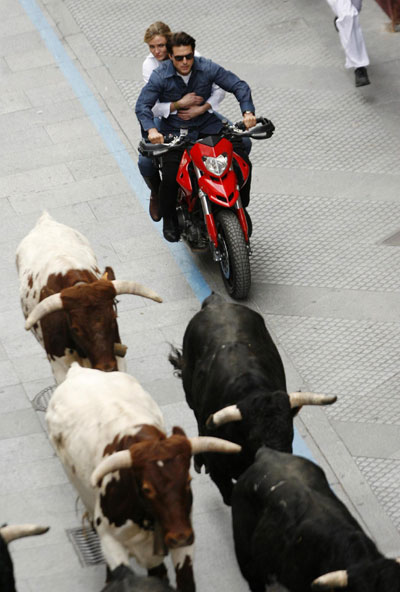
pixel 209 208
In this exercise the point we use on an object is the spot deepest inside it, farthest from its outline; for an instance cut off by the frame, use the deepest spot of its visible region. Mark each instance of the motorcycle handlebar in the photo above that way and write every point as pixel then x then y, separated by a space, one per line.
pixel 261 131
pixel 148 149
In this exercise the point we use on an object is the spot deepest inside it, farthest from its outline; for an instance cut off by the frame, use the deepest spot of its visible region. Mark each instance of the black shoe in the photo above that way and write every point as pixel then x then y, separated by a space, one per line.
pixel 361 76
pixel 171 231
pixel 334 23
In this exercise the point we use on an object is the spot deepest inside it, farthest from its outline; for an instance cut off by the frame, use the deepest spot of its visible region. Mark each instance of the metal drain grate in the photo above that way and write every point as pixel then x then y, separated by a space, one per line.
pixel 87 545
pixel 41 400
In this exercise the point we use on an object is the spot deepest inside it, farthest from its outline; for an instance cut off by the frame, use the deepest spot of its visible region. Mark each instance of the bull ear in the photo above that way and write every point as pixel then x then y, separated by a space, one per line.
pixel 12 532
pixel 114 462
pixel 333 579
pixel 177 431
pixel 109 273
pixel 209 444
pixel 224 415
pixel 298 399
pixel 120 349
pixel 128 287
pixel 45 307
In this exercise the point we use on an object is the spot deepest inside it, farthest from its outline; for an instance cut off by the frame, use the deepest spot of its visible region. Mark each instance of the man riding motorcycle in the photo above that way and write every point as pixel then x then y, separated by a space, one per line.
pixel 173 81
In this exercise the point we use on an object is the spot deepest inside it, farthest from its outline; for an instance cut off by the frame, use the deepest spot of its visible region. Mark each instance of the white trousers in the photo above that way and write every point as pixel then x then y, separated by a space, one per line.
pixel 350 33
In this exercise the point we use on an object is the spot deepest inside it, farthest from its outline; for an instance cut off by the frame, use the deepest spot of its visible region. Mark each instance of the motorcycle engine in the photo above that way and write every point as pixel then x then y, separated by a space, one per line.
pixel 193 230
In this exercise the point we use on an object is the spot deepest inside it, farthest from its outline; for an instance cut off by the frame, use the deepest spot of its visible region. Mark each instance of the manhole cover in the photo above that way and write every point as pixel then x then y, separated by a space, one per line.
pixel 41 400
pixel 87 545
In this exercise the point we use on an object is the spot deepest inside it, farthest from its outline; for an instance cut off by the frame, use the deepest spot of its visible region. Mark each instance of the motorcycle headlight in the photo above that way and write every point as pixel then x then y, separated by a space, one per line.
pixel 216 165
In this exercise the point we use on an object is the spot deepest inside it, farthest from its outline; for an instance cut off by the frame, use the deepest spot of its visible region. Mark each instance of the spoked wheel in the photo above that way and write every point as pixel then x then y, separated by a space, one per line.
pixel 235 263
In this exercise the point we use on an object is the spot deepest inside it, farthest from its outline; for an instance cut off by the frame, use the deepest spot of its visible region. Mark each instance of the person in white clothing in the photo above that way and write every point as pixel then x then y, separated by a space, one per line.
pixel 347 23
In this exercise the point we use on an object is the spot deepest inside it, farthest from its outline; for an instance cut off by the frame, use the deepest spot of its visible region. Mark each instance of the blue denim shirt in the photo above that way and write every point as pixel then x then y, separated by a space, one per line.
pixel 166 85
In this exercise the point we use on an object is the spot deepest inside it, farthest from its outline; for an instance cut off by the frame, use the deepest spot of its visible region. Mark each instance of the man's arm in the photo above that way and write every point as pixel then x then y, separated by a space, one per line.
pixel 233 84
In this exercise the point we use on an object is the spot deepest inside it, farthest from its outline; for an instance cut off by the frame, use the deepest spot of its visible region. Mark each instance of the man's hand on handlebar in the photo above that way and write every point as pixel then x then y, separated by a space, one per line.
pixel 249 120
pixel 154 136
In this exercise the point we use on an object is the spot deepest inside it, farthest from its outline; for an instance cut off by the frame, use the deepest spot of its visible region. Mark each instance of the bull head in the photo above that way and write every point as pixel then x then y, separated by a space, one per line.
pixel 161 470
pixel 124 459
pixel 90 323
pixel 55 301
pixel 297 399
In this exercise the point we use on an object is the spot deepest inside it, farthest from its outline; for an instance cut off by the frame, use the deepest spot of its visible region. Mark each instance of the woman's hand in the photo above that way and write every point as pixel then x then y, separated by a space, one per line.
pixel 192 112
pixel 189 100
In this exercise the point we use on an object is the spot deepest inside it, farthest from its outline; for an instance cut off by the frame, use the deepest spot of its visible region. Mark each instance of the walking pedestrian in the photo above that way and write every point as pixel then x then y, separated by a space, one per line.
pixel 347 23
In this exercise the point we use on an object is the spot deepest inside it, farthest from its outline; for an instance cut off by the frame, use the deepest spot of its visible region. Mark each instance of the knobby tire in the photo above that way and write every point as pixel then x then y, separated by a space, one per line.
pixel 236 271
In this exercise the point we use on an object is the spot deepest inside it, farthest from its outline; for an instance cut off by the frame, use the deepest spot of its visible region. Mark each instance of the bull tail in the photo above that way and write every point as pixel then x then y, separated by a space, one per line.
pixel 176 359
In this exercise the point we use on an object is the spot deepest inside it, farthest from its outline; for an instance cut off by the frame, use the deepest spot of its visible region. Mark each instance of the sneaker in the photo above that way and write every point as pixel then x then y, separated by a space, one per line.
pixel 361 76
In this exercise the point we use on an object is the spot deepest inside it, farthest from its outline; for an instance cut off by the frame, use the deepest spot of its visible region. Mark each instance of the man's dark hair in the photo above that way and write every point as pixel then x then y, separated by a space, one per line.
pixel 180 38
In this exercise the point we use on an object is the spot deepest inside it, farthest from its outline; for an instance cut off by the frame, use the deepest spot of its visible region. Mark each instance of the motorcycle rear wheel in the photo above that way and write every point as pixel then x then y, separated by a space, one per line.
pixel 235 263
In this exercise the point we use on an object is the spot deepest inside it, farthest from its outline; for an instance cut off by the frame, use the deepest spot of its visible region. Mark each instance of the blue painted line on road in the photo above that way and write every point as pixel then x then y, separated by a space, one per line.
pixel 129 169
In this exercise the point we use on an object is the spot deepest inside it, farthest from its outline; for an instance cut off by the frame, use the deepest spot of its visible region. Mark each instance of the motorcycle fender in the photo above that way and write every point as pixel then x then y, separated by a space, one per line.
pixel 212 229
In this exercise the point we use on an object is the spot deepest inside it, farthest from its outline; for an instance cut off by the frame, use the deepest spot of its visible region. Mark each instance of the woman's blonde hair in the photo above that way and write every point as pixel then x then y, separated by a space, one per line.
pixel 157 28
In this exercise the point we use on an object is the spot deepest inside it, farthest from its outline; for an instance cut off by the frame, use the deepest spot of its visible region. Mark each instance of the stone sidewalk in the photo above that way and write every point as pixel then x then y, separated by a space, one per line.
pixel 325 263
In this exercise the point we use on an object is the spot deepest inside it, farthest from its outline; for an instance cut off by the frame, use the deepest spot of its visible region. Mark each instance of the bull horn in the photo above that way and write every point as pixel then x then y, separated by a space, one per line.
pixel 45 307
pixel 298 399
pixel 333 579
pixel 120 349
pixel 128 287
pixel 14 531
pixel 209 444
pixel 114 462
pixel 224 415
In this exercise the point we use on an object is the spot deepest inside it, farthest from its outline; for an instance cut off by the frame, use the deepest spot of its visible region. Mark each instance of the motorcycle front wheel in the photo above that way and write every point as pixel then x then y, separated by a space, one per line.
pixel 234 263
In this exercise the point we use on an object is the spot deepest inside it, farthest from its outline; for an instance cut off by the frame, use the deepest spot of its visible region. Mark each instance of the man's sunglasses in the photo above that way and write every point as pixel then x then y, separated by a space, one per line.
pixel 180 58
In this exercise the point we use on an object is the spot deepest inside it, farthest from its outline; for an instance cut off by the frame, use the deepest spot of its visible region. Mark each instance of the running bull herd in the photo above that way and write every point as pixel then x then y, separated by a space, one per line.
pixel 289 528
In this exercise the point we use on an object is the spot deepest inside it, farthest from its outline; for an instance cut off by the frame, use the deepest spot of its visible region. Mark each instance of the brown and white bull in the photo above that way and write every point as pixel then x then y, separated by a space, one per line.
pixel 62 287
pixel 134 480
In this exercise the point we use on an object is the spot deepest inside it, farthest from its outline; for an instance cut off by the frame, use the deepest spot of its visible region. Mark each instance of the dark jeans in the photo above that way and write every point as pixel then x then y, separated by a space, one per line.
pixel 169 185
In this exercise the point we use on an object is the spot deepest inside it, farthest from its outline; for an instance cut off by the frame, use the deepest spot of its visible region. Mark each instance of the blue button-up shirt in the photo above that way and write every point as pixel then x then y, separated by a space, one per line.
pixel 166 85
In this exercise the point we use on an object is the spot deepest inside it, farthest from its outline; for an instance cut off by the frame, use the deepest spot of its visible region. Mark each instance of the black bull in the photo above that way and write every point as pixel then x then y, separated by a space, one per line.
pixel 290 527
pixel 229 362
